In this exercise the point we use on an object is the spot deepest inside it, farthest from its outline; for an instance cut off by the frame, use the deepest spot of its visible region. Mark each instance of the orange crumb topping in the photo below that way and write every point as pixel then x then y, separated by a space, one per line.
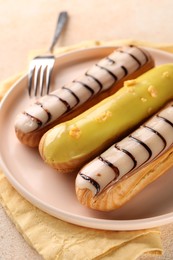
pixel 129 83
pixel 143 99
pixel 103 117
pixel 131 90
pixel 165 74
pixel 75 132
pixel 152 91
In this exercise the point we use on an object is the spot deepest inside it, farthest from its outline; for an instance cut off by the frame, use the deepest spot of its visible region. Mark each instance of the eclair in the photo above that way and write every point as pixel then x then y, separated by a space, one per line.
pixel 100 81
pixel 69 145
pixel 128 166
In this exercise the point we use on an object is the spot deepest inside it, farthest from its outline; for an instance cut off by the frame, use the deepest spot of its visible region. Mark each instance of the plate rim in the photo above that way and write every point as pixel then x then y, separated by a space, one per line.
pixel 103 224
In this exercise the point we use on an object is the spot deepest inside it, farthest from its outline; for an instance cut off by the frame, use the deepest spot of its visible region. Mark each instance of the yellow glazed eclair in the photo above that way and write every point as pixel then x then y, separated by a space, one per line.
pixel 123 170
pixel 101 80
pixel 69 145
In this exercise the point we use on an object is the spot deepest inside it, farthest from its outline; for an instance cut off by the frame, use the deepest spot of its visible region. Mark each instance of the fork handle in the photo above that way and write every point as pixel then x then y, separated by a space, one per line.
pixel 62 19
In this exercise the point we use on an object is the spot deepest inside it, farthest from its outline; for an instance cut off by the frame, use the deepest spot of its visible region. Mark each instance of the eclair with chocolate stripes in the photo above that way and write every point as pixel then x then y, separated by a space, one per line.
pixel 70 145
pixel 123 170
pixel 100 81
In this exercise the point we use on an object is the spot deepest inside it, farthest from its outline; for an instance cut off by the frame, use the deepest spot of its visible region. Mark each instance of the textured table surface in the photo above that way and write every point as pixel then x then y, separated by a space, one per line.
pixel 30 25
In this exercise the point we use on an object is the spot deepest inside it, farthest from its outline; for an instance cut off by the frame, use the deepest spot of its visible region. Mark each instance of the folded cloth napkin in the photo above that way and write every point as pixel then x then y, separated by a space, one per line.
pixel 55 239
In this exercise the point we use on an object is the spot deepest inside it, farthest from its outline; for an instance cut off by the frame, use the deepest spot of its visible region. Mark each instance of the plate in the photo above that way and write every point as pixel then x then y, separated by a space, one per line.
pixel 53 192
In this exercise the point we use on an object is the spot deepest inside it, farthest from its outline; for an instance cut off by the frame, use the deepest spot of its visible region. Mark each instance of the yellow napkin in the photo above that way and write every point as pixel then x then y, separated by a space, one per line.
pixel 55 239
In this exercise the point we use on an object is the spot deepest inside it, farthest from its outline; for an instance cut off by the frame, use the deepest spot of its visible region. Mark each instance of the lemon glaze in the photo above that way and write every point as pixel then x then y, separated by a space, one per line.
pixel 120 112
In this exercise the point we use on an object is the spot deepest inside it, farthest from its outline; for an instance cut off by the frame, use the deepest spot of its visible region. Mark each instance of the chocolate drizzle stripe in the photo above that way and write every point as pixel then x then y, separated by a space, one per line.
pixel 111 60
pixel 38 121
pixel 113 167
pixel 85 86
pixel 129 154
pixel 62 100
pixel 73 94
pixel 49 116
pixel 110 72
pixel 125 70
pixel 133 56
pixel 96 80
pixel 123 67
pixel 143 144
pixel 146 57
pixel 158 134
pixel 92 181
pixel 166 120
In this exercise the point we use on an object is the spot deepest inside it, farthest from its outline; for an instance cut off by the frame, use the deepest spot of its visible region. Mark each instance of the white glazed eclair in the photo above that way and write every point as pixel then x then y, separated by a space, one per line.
pixel 100 81
pixel 119 173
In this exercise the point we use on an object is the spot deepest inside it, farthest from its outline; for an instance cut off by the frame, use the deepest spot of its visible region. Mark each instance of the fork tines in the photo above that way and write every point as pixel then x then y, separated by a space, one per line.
pixel 39 75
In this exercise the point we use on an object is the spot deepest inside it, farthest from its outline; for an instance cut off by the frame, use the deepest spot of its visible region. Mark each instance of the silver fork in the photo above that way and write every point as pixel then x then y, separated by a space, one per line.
pixel 40 68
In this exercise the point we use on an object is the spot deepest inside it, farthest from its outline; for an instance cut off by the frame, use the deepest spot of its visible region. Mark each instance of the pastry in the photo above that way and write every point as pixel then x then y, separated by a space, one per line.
pixel 100 81
pixel 69 145
pixel 118 174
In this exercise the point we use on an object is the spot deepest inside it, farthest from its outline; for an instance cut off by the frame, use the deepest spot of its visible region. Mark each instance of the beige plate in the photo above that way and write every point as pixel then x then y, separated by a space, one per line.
pixel 54 193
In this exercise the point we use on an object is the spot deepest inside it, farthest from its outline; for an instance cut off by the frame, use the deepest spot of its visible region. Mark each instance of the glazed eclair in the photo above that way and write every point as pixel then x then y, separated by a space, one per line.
pixel 100 81
pixel 114 177
pixel 69 145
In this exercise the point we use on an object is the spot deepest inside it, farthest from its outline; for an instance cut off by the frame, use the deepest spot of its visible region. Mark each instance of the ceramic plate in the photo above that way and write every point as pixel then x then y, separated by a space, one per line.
pixel 54 193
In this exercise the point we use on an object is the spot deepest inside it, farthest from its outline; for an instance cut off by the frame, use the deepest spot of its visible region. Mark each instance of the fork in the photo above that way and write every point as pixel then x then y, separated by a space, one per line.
pixel 41 67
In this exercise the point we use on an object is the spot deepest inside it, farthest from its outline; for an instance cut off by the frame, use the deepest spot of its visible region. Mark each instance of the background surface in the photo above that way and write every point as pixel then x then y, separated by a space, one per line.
pixel 26 25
